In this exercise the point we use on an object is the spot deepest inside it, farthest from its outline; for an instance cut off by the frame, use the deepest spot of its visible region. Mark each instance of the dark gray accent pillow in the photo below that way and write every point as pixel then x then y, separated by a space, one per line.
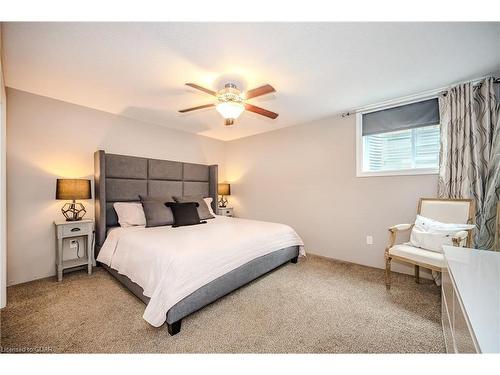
pixel 156 212
pixel 202 208
pixel 185 213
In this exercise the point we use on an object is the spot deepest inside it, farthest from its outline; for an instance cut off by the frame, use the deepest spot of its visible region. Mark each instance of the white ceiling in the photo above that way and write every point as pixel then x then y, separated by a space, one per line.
pixel 138 70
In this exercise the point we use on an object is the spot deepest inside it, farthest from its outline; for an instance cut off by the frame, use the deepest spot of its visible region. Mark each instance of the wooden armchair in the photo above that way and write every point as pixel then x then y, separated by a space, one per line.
pixel 444 210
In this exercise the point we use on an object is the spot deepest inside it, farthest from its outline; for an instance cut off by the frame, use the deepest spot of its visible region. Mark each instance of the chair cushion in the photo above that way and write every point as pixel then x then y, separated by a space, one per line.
pixel 418 255
pixel 446 211
pixel 431 234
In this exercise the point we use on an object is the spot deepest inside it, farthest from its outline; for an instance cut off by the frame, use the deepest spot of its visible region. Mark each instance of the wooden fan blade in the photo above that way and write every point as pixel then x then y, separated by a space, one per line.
pixel 198 87
pixel 262 90
pixel 260 111
pixel 195 108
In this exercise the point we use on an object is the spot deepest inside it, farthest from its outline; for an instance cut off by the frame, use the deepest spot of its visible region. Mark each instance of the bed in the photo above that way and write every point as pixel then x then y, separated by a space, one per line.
pixel 177 271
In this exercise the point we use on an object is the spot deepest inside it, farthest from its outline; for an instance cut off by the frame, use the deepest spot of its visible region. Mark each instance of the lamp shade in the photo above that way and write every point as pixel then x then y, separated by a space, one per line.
pixel 224 189
pixel 230 109
pixel 73 188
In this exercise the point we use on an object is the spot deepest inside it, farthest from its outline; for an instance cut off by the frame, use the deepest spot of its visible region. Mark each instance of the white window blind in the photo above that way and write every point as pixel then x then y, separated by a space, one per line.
pixel 402 150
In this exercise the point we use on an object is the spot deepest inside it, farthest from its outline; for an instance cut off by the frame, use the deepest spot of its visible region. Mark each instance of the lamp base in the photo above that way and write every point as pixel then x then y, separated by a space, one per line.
pixel 77 219
pixel 222 202
pixel 73 211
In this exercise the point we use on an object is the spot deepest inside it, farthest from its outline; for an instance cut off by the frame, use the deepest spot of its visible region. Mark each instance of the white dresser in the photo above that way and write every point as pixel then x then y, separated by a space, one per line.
pixel 471 300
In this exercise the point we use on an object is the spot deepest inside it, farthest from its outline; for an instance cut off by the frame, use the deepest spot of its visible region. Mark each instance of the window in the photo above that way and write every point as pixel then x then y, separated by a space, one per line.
pixel 399 140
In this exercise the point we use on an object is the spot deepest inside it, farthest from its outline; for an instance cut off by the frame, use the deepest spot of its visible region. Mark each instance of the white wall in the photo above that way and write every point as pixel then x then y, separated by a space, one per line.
pixel 302 175
pixel 305 176
pixel 3 198
pixel 47 139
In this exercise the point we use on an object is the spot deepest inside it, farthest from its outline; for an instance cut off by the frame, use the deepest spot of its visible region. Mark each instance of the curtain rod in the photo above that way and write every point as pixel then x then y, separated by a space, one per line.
pixel 421 95
pixel 474 83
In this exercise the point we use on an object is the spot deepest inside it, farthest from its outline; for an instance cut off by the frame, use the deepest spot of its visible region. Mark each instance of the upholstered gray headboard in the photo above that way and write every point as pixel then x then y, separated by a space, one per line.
pixel 121 178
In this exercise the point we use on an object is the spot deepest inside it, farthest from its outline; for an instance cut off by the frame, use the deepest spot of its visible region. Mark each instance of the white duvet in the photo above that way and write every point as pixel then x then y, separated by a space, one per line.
pixel 171 263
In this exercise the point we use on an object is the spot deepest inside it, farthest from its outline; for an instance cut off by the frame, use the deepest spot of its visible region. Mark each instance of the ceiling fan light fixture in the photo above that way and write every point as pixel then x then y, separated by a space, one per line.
pixel 230 110
pixel 230 102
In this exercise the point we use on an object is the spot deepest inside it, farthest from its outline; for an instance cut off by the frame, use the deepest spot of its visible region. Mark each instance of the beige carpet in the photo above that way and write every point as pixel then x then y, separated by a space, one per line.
pixel 315 306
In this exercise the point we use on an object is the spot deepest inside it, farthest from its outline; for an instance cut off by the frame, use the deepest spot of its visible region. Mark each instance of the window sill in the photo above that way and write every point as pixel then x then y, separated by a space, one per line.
pixel 404 172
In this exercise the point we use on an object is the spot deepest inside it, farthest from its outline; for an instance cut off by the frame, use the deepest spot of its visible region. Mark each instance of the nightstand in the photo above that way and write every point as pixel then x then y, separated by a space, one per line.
pixel 70 229
pixel 226 211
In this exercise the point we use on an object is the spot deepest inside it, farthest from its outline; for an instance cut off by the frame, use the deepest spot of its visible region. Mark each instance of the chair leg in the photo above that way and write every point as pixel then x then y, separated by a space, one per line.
pixel 388 273
pixel 417 274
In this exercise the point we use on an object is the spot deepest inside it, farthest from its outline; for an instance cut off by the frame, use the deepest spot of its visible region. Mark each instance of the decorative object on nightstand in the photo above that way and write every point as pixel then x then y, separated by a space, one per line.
pixel 223 190
pixel 72 189
pixel 72 229
pixel 225 211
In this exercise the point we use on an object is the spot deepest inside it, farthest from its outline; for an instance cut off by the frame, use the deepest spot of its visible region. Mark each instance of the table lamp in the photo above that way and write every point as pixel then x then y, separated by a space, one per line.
pixel 223 190
pixel 72 189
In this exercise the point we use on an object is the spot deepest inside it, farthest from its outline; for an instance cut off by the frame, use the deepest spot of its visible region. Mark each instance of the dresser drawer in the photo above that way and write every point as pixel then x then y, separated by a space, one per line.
pixel 447 290
pixel 463 338
pixel 445 317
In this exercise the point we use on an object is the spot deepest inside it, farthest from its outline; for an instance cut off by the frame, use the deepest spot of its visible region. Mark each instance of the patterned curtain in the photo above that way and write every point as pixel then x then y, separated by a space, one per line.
pixel 470 152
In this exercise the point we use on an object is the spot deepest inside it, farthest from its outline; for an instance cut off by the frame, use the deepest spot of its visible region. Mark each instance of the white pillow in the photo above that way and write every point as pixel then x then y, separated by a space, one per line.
pixel 130 214
pixel 431 234
pixel 209 201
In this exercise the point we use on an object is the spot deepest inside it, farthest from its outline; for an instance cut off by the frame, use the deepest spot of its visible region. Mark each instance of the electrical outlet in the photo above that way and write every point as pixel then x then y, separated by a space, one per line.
pixel 73 244
pixel 369 240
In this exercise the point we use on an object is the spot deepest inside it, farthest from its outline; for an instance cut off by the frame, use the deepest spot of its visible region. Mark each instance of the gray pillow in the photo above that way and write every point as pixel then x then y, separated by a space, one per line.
pixel 202 208
pixel 156 212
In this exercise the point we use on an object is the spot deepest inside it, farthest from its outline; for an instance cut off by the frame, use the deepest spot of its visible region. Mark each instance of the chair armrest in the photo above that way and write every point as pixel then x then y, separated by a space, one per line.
pixel 400 227
pixel 458 237
pixel 393 231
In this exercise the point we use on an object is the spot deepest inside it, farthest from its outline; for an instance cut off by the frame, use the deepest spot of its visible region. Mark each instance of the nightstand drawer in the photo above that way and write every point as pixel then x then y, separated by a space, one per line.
pixel 225 211
pixel 75 229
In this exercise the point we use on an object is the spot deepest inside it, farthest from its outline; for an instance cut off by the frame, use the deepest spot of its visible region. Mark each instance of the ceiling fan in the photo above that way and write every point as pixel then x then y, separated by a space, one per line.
pixel 231 102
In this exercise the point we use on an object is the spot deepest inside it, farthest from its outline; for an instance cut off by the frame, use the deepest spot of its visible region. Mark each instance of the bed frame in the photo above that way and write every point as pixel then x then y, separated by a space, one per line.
pixel 121 178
